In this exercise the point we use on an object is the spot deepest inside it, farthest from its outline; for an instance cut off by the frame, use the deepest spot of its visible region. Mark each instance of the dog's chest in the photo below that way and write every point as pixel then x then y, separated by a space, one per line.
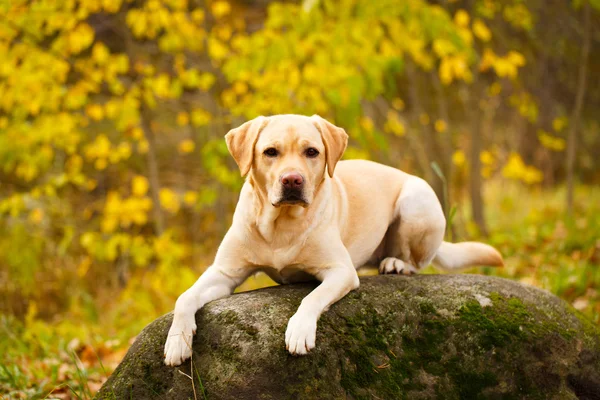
pixel 277 258
pixel 288 274
pixel 279 240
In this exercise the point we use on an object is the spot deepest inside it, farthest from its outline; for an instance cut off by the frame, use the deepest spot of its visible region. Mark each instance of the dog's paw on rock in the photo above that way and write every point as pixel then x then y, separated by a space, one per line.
pixel 301 333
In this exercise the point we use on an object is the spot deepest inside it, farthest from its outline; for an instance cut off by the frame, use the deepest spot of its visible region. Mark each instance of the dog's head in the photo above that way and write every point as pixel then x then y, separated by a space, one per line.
pixel 287 155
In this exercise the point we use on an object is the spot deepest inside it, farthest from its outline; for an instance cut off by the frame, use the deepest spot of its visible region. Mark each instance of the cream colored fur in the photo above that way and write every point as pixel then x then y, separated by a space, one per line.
pixel 355 213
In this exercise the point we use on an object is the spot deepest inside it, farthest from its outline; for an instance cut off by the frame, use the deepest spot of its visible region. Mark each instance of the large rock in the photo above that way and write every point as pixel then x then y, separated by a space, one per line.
pixel 421 337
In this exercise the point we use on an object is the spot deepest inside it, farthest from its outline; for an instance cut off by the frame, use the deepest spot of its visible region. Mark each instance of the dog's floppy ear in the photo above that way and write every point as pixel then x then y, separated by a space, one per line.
pixel 335 140
pixel 241 142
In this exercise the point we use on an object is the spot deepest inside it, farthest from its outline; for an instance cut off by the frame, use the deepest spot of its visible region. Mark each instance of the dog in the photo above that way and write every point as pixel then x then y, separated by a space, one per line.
pixel 303 214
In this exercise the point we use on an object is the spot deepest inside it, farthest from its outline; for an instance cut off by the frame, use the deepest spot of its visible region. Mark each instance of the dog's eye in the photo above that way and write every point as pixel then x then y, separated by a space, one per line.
pixel 270 152
pixel 311 152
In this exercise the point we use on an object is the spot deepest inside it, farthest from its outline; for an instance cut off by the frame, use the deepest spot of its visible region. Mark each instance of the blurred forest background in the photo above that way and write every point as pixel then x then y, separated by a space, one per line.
pixel 116 185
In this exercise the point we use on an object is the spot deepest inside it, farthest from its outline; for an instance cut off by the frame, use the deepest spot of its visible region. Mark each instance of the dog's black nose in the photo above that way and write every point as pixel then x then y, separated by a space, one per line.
pixel 292 180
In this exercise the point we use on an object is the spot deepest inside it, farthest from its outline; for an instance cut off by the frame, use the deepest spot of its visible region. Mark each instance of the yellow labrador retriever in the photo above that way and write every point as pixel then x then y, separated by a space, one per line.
pixel 297 220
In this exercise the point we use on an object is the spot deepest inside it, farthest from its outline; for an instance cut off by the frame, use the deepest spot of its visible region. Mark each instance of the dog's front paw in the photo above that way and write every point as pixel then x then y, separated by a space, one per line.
pixel 301 333
pixel 178 347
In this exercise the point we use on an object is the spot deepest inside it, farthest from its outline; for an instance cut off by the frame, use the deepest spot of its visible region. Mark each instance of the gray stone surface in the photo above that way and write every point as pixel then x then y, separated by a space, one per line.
pixel 419 337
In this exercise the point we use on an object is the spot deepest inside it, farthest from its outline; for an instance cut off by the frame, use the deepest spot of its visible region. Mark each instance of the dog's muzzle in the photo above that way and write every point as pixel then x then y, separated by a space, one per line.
pixel 292 190
pixel 291 196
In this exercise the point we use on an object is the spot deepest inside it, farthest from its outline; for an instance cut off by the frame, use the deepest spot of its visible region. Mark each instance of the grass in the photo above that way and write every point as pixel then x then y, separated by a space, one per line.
pixel 544 248
pixel 71 356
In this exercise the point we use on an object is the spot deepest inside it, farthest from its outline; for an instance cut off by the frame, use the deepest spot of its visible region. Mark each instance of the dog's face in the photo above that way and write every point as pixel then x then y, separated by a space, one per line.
pixel 288 155
pixel 289 160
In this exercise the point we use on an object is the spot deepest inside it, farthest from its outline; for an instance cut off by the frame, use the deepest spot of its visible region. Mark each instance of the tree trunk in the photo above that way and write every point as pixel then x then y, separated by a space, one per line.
pixel 428 139
pixel 151 160
pixel 475 177
pixel 475 162
pixel 576 115
pixel 159 223
pixel 445 147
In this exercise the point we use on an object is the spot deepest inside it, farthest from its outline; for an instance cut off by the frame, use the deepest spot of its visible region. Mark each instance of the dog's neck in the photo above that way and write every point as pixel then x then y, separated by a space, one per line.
pixel 270 220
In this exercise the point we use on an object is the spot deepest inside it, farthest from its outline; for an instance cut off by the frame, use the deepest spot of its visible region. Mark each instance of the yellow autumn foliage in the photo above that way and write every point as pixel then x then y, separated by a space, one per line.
pixel 440 126
pixel 169 200
pixel 186 146
pixel 220 8
pixel 481 30
pixel 516 169
pixel 139 185
pixel 551 142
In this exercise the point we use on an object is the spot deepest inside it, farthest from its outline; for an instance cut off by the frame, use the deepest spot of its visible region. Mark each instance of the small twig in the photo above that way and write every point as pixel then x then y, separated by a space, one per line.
pixel 191 365
pixel 191 372
pixel 184 374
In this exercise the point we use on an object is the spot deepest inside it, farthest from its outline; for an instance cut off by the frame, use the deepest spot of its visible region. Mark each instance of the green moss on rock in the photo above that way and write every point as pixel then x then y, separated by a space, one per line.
pixel 423 337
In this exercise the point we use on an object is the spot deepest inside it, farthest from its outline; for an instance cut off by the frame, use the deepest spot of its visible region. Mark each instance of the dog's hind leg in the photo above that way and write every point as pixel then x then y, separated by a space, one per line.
pixel 417 232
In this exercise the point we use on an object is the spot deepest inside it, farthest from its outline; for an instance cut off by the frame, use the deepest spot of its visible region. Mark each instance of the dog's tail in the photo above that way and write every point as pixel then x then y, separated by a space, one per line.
pixel 452 256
